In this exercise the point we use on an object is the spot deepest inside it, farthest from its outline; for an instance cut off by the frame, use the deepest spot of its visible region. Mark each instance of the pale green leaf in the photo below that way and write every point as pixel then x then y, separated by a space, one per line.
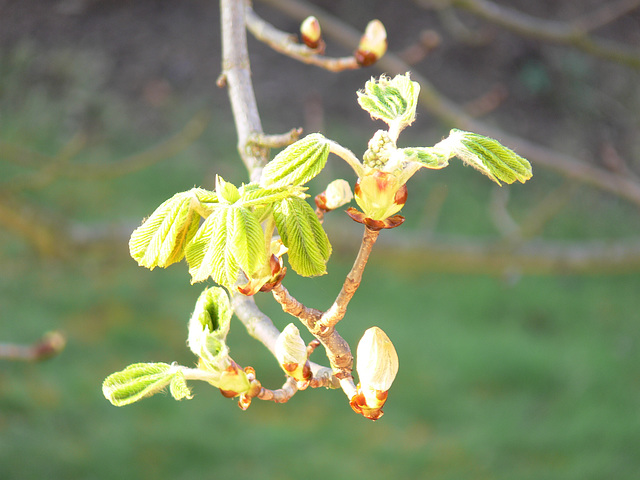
pixel 253 194
pixel 392 100
pixel 429 157
pixel 227 192
pixel 247 243
pixel 161 239
pixel 136 382
pixel 302 234
pixel 178 387
pixel 208 253
pixel 298 163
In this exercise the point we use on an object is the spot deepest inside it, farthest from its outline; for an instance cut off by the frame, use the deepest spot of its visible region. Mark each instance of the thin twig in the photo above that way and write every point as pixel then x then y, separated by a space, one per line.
pixel 276 141
pixel 284 43
pixel 336 312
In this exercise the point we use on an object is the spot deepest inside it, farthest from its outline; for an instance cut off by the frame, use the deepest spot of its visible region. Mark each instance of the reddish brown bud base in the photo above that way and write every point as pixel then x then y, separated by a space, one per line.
pixel 359 405
pixel 364 58
pixel 375 225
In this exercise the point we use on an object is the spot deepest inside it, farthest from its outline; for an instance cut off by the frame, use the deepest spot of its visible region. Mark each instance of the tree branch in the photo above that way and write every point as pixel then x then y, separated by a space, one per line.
pixel 452 115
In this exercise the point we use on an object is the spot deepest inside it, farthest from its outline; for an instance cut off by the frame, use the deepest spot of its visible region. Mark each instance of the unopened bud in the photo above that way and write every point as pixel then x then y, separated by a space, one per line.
pixel 310 32
pixel 337 194
pixel 377 366
pixel 373 44
pixel 291 353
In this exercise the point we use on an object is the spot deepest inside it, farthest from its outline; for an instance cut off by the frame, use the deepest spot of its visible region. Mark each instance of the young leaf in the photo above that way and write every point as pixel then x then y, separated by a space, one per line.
pixel 487 155
pixel 161 239
pixel 178 387
pixel 302 233
pixel 298 163
pixel 136 382
pixel 208 253
pixel 393 101
pixel 247 243
pixel 429 157
pixel 253 194
pixel 227 192
pixel 213 311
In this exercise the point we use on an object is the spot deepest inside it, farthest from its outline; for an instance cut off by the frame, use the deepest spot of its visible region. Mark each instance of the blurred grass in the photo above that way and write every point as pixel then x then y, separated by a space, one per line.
pixel 537 379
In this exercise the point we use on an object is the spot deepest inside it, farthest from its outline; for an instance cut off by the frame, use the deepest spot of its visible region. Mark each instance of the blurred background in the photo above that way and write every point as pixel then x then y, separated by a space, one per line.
pixel 514 310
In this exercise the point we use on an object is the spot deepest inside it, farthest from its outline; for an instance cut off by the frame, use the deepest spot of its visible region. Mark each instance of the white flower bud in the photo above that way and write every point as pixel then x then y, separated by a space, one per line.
pixel 337 194
pixel 377 366
pixel 291 353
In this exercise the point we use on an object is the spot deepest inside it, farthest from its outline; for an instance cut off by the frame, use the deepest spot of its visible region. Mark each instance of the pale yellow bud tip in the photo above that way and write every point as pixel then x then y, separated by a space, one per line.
pixel 373 44
pixel 311 32
pixel 337 194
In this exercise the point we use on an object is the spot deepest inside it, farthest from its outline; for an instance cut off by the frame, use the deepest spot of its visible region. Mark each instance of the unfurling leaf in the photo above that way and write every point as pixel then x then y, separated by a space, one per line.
pixel 298 163
pixel 487 155
pixel 429 157
pixel 392 100
pixel 227 192
pixel 178 387
pixel 302 233
pixel 136 382
pixel 161 239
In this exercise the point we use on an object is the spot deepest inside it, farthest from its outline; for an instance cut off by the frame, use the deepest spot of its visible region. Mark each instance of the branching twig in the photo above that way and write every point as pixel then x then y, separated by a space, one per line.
pixel 453 115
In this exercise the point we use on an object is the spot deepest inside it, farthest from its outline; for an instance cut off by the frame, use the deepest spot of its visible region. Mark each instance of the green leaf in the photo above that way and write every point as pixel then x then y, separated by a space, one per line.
pixel 392 100
pixel 136 382
pixel 298 163
pixel 487 155
pixel 161 239
pixel 226 191
pixel 178 387
pixel 302 233
pixel 253 194
pixel 208 253
pixel 429 157
pixel 247 242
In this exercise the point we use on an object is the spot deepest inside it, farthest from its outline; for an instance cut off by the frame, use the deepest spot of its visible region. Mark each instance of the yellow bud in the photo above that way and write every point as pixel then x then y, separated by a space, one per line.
pixel 373 44
pixel 310 32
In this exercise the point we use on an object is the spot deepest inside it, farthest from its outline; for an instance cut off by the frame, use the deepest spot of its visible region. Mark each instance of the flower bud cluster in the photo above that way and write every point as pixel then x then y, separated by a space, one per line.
pixel 380 149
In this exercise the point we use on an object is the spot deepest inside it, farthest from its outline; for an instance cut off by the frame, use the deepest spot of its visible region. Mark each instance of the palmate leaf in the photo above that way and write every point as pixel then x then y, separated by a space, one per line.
pixel 161 239
pixel 298 163
pixel 252 194
pixel 247 243
pixel 137 381
pixel 302 234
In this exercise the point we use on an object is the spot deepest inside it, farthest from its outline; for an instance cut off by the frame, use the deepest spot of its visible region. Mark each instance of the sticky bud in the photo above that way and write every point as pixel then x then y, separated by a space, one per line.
pixel 291 353
pixel 337 194
pixel 310 32
pixel 373 44
pixel 377 366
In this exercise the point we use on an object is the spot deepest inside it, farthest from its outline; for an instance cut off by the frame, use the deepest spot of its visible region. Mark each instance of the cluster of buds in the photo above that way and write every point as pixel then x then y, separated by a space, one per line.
pixel 377 366
pixel 293 356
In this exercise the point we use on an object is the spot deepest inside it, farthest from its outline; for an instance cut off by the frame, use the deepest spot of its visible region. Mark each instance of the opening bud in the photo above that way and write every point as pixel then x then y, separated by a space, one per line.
pixel 380 194
pixel 291 353
pixel 310 32
pixel 373 44
pixel 377 366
